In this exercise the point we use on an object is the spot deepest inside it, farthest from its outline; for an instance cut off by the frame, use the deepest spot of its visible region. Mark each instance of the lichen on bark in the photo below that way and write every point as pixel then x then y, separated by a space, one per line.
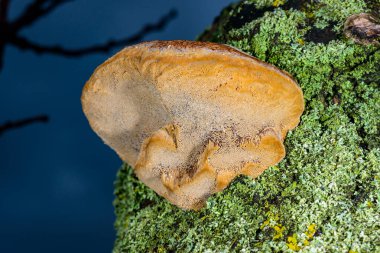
pixel 325 195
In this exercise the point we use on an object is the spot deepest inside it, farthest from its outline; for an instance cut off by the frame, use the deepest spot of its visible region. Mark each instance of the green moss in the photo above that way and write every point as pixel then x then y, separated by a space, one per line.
pixel 325 195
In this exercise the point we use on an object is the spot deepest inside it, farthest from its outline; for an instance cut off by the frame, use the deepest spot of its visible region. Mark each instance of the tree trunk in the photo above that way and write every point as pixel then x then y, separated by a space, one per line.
pixel 325 195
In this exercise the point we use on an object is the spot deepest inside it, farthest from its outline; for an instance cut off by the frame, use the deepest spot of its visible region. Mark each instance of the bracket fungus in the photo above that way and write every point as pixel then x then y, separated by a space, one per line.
pixel 191 116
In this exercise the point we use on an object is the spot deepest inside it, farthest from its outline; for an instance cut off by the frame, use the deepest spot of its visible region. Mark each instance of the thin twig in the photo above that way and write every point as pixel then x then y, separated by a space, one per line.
pixel 34 11
pixel 23 122
pixel 4 6
pixel 9 32
pixel 25 44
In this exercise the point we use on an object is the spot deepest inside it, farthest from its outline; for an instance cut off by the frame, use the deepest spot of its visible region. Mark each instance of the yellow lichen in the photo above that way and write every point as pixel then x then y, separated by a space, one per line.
pixel 311 229
pixel 265 223
pixel 292 240
pixel 277 3
pixel 301 41
pixel 279 231
pixel 272 222
pixel 292 243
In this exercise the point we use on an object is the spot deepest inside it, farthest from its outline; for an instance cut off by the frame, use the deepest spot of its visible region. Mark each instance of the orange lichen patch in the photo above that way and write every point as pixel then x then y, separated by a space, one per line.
pixel 191 116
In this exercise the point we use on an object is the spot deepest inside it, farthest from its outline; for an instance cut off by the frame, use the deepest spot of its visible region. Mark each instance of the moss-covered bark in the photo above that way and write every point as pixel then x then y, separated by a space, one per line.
pixel 325 195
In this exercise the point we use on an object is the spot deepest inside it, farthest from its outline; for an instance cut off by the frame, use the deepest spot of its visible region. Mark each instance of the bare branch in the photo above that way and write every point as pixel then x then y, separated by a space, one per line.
pixel 25 44
pixel 4 5
pixel 23 122
pixel 36 10
pixel 2 49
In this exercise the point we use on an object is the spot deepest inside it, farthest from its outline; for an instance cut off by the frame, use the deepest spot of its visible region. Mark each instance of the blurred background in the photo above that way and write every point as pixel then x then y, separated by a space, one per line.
pixel 56 175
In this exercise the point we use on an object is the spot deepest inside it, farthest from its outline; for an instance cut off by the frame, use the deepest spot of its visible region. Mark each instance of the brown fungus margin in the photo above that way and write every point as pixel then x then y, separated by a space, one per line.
pixel 191 116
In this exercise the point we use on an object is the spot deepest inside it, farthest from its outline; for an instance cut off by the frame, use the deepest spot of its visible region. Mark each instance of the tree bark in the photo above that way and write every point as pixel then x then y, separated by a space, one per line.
pixel 325 195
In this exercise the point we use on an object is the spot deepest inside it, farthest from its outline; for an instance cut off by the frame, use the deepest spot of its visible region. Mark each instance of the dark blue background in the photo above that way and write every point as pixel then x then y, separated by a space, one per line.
pixel 56 179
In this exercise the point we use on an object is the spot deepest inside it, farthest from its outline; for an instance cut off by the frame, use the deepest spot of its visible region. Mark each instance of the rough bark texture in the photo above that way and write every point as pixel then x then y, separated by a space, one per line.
pixel 325 195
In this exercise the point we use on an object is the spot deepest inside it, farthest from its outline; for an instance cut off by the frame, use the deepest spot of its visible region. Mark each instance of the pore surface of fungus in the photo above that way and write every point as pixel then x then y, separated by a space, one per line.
pixel 191 116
